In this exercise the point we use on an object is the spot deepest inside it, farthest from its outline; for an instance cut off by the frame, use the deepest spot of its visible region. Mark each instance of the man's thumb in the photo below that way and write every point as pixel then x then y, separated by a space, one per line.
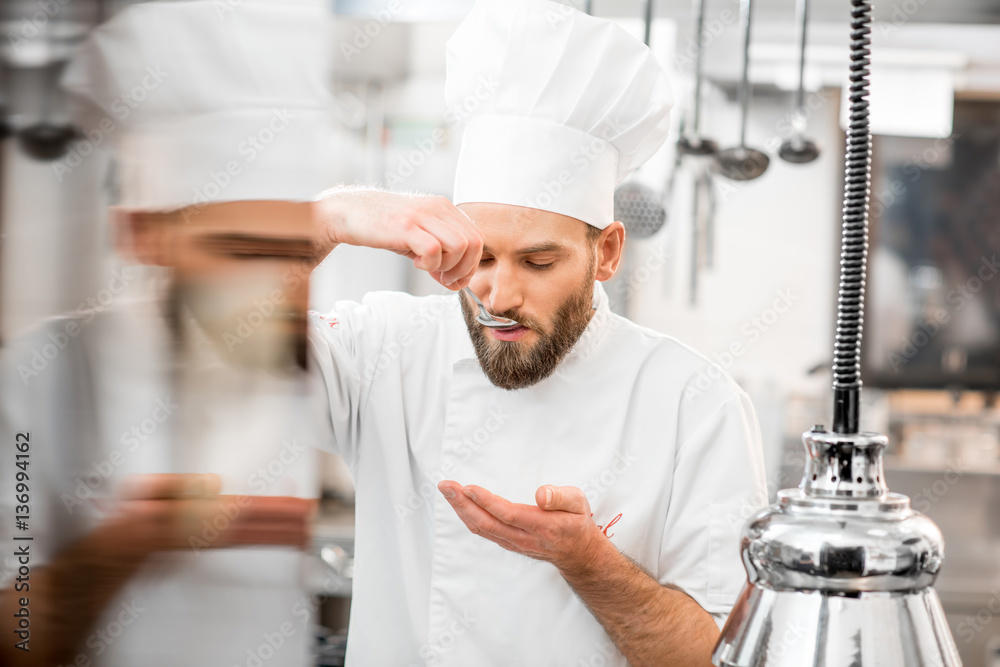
pixel 564 498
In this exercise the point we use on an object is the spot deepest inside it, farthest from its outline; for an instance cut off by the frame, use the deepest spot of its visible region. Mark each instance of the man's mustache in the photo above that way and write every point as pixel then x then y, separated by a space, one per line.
pixel 520 318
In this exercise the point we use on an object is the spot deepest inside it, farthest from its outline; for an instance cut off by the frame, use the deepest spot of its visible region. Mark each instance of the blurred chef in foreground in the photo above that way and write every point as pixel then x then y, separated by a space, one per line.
pixel 170 463
pixel 578 439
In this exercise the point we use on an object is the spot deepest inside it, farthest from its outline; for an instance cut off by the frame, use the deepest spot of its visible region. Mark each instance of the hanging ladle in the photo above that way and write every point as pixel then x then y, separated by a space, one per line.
pixel 640 209
pixel 695 144
pixel 798 149
pixel 743 163
pixel 46 140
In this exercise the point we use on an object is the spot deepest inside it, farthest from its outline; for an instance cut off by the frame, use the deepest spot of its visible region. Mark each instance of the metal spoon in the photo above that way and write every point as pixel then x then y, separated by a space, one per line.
pixel 797 149
pixel 485 318
pixel 743 163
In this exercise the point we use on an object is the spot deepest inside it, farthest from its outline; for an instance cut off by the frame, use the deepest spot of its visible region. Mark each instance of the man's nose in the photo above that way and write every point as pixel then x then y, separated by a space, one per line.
pixel 505 293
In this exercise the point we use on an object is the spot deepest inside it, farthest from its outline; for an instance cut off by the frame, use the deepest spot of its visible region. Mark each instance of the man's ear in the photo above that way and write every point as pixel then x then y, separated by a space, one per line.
pixel 141 235
pixel 610 245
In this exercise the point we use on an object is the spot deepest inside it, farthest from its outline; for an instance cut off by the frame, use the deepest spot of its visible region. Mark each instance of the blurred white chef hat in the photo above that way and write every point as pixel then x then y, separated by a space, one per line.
pixel 209 101
pixel 562 106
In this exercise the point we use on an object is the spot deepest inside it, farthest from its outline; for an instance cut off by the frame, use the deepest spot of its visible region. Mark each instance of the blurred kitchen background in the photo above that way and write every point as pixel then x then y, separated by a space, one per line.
pixel 744 271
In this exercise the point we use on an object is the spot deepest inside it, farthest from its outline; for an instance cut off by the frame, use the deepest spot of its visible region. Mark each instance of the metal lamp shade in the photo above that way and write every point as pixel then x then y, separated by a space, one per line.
pixel 839 571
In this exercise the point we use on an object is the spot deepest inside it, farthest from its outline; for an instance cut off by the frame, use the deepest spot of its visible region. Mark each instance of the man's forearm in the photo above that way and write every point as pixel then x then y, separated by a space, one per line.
pixel 329 211
pixel 438 237
pixel 651 624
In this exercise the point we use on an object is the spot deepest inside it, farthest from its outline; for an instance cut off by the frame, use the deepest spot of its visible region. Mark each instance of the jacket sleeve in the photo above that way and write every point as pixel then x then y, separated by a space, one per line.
pixel 718 483
pixel 348 347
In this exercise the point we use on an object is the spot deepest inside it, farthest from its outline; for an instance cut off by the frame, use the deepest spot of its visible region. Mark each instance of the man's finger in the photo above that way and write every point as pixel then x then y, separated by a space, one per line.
pixel 426 248
pixel 473 251
pixel 454 242
pixel 478 520
pixel 512 514
pixel 466 266
pixel 564 498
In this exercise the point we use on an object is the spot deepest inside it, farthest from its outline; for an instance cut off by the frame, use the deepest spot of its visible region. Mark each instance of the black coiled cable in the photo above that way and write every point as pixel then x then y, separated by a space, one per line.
pixel 854 241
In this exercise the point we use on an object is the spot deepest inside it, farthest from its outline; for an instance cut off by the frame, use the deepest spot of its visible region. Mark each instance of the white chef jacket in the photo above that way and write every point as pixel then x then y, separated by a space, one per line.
pixel 665 446
pixel 111 374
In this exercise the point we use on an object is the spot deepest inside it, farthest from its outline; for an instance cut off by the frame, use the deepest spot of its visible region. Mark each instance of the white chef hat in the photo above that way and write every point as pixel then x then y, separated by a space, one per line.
pixel 208 101
pixel 561 107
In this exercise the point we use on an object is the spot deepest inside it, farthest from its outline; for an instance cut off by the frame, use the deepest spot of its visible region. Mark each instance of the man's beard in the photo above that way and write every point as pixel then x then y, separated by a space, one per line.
pixel 512 365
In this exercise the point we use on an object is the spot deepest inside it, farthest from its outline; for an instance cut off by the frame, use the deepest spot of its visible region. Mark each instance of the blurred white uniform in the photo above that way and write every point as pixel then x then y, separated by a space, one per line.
pixel 669 457
pixel 201 101
pixel 110 404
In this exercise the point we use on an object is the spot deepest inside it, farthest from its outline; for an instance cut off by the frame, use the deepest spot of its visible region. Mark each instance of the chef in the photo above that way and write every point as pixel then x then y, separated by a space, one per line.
pixel 566 491
pixel 171 471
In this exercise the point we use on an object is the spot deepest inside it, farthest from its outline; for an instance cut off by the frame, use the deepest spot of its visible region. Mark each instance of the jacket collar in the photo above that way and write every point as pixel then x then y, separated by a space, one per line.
pixel 596 328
